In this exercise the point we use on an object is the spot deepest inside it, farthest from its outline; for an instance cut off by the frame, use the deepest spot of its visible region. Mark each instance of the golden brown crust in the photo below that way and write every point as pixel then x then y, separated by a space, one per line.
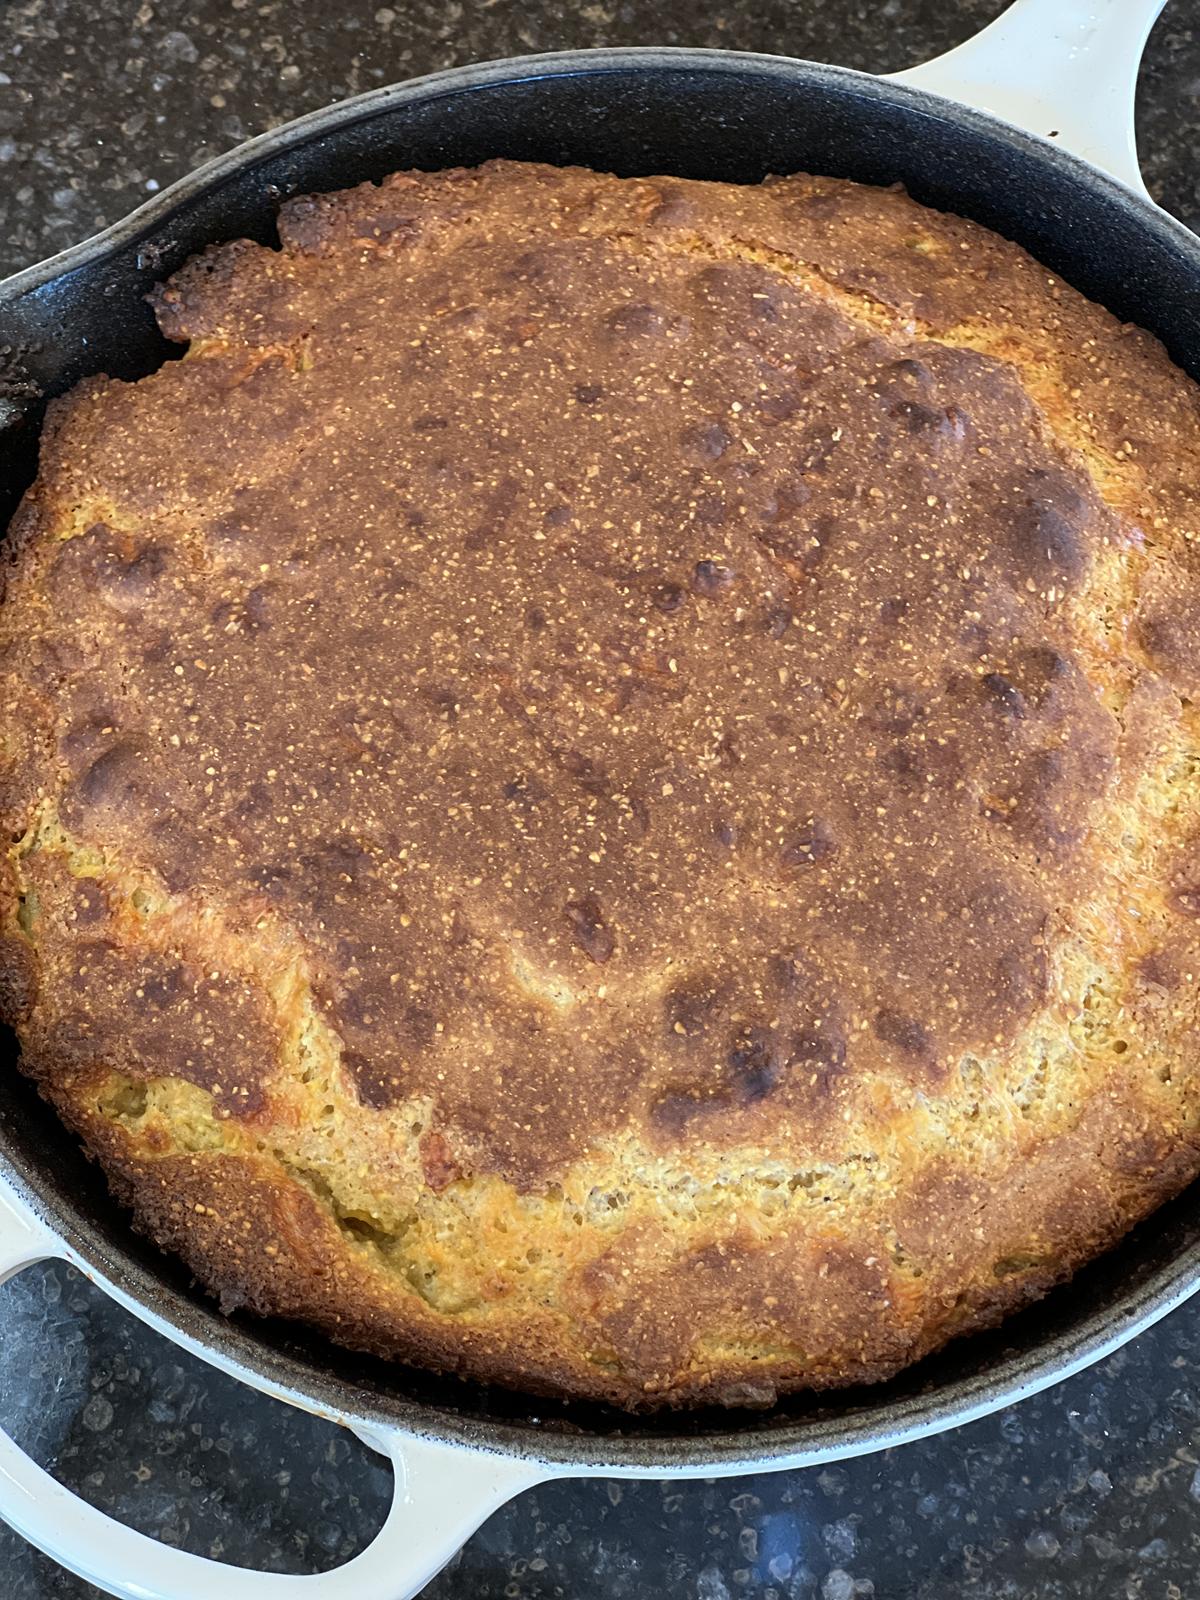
pixel 603 778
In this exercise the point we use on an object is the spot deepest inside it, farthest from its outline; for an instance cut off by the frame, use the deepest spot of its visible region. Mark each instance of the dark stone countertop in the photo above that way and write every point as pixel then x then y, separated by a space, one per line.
pixel 1091 1490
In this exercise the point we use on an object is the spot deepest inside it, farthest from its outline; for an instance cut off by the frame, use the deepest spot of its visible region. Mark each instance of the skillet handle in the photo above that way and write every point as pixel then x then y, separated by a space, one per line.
pixel 1065 70
pixel 441 1496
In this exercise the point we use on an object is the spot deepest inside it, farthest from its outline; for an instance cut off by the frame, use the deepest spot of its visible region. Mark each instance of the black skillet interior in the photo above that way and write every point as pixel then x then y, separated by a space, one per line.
pixel 697 114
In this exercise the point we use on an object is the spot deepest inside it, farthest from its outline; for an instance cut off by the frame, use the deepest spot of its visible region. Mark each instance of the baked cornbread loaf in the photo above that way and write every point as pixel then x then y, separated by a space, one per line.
pixel 602 780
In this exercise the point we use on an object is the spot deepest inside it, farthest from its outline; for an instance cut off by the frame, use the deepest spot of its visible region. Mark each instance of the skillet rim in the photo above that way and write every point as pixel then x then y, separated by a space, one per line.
pixel 562 63
pixel 237 1347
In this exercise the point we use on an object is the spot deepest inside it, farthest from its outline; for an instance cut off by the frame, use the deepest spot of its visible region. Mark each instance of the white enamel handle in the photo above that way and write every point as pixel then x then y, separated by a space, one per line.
pixel 1063 69
pixel 441 1496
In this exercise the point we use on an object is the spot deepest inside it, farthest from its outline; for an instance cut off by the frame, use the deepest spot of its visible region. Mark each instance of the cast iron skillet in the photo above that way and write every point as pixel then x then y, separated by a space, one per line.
pixel 699 114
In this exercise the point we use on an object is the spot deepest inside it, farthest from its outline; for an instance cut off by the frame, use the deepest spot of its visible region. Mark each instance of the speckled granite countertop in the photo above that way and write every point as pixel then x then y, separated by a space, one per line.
pixel 1091 1490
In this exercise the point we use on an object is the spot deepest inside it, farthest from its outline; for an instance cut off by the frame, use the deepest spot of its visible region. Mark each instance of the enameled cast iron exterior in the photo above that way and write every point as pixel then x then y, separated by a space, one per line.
pixel 701 114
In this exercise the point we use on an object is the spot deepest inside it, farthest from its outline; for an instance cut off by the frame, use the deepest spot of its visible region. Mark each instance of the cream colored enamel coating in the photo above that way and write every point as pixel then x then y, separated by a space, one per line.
pixel 1062 69
pixel 441 1496
pixel 1065 70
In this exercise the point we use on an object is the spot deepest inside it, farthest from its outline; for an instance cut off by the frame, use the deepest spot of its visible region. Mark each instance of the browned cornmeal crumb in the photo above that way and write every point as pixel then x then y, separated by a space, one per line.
pixel 604 778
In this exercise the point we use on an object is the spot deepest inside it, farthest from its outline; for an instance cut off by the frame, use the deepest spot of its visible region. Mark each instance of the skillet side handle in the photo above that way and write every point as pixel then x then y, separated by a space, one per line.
pixel 442 1494
pixel 1065 70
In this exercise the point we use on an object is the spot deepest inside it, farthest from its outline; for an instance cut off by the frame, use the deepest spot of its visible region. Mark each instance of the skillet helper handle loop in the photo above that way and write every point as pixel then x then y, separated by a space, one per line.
pixel 441 1495
pixel 1065 70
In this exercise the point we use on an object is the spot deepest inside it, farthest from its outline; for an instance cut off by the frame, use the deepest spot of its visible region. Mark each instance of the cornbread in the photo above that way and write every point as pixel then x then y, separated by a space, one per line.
pixel 601 783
